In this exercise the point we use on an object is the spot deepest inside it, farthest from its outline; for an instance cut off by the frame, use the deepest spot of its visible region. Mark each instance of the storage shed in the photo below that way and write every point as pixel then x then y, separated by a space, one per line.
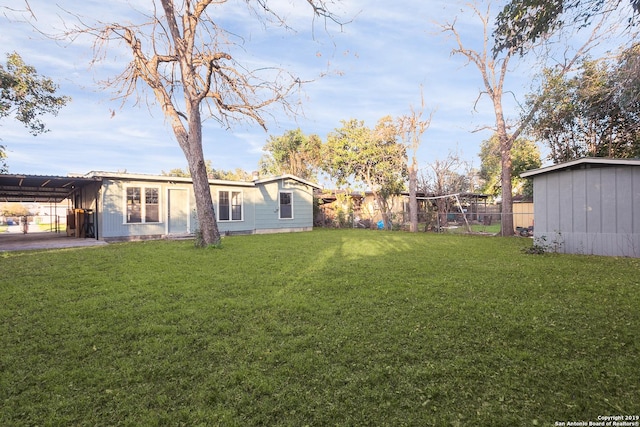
pixel 588 206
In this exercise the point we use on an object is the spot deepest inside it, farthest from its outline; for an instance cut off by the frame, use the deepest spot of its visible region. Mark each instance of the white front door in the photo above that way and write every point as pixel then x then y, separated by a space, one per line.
pixel 177 212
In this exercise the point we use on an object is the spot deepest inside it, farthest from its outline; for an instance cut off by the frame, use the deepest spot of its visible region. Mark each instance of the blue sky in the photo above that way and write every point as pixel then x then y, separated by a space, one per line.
pixel 374 66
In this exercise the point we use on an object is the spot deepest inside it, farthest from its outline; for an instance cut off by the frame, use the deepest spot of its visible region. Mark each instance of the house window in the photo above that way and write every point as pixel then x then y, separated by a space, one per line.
pixel 230 205
pixel 286 205
pixel 142 205
pixel 151 211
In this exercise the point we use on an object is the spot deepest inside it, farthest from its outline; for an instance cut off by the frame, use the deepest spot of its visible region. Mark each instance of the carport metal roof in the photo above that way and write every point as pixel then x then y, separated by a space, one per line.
pixel 39 188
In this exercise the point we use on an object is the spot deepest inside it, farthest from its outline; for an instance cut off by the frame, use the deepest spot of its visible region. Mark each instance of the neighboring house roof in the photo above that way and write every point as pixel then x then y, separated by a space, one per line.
pixel 582 163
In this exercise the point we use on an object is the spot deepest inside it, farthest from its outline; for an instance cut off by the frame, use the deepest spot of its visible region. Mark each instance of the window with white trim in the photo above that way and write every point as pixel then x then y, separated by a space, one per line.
pixel 230 205
pixel 142 205
pixel 286 205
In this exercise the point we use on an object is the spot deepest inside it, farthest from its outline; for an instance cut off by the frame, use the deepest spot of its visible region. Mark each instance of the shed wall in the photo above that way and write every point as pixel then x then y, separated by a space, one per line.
pixel 594 210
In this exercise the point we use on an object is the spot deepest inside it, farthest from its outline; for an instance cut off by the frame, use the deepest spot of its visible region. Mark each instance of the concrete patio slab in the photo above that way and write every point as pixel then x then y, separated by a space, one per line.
pixel 18 241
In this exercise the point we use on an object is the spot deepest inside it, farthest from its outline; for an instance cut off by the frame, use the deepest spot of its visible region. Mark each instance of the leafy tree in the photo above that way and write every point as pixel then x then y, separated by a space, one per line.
pixel 13 209
pixel 525 155
pixel 3 160
pixel 293 153
pixel 372 157
pixel 593 113
pixel 177 172
pixel 186 57
pixel 212 173
pixel 237 174
pixel 525 21
pixel 27 96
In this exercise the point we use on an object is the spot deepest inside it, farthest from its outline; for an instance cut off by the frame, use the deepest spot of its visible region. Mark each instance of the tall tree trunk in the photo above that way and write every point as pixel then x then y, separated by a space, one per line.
pixel 191 145
pixel 506 143
pixel 208 227
pixel 507 198
pixel 443 220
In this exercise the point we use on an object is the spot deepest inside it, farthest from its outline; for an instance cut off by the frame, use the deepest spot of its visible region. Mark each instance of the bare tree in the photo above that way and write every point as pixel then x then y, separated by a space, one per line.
pixel 443 177
pixel 185 58
pixel 493 70
pixel 410 129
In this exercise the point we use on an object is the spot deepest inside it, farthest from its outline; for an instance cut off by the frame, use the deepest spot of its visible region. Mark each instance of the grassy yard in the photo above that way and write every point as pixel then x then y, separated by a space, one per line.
pixel 328 328
pixel 475 228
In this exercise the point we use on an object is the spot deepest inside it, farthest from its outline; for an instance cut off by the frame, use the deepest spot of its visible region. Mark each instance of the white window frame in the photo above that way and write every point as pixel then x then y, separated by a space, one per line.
pixel 143 205
pixel 290 193
pixel 230 211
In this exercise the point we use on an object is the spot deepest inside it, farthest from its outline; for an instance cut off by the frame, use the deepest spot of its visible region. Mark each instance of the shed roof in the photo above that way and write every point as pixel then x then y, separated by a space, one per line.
pixel 583 163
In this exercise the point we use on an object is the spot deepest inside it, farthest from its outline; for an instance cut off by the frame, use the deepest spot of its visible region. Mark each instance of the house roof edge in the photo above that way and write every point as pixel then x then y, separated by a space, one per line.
pixel 581 161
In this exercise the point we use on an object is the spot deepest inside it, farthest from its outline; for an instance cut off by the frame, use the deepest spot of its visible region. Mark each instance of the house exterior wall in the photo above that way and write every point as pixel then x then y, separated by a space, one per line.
pixel 248 222
pixel 260 208
pixel 87 199
pixel 267 207
pixel 112 223
pixel 593 210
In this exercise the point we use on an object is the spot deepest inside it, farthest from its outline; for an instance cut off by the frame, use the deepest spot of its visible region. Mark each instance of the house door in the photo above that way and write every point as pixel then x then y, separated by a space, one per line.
pixel 177 214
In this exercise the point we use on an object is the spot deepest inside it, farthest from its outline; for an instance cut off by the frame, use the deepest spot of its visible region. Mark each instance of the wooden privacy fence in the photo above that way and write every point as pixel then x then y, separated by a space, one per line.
pixel 523 214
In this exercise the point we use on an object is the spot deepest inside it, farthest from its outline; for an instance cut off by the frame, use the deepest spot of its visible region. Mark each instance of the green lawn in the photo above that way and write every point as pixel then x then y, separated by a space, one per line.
pixel 475 228
pixel 328 328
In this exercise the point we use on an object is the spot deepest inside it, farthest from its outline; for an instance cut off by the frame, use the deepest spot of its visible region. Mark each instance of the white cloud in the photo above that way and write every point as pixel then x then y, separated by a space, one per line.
pixel 374 66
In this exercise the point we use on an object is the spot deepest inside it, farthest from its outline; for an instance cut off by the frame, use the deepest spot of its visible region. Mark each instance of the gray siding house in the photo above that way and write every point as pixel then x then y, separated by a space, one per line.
pixel 588 206
pixel 133 206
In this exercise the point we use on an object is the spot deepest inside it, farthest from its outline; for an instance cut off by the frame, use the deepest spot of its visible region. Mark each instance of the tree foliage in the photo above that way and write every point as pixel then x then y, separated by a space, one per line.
pixel 294 153
pixel 13 209
pixel 525 155
pixel 26 95
pixel 494 69
pixel 212 173
pixel 522 22
pixel 595 113
pixel 372 157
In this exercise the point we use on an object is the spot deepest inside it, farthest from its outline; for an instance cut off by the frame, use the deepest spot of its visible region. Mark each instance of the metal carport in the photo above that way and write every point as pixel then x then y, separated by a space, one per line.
pixel 40 188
